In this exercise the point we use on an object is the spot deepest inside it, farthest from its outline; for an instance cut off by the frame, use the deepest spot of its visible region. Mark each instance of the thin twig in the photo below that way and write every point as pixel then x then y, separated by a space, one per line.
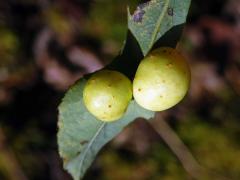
pixel 181 151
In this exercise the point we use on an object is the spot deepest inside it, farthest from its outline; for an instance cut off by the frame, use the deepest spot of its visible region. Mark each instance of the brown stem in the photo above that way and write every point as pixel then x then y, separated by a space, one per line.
pixel 180 150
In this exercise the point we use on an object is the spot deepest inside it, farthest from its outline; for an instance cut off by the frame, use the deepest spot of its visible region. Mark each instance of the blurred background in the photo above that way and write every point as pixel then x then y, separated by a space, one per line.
pixel 46 45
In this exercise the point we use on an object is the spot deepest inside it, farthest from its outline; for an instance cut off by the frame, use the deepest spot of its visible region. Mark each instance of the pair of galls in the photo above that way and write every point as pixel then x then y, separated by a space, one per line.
pixel 161 81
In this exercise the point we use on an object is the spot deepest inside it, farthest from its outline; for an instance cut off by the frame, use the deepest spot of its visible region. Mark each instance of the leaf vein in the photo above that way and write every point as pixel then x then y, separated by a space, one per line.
pixel 89 146
pixel 156 29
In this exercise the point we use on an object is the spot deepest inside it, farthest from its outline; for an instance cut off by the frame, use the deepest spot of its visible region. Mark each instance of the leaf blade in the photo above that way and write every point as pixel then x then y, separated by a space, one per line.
pixel 87 134
pixel 157 17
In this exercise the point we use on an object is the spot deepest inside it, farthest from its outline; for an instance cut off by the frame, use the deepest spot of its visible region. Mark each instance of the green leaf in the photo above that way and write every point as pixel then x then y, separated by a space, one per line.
pixel 153 19
pixel 81 135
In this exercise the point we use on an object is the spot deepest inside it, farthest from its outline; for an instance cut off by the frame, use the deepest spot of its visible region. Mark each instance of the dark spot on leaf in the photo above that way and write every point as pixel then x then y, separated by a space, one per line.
pixel 138 15
pixel 139 89
pixel 170 11
pixel 160 96
pixel 109 106
pixel 169 65
pixel 83 142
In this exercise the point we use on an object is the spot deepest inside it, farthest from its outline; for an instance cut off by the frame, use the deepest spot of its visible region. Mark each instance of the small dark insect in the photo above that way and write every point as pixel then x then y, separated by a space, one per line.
pixel 170 11
pixel 138 15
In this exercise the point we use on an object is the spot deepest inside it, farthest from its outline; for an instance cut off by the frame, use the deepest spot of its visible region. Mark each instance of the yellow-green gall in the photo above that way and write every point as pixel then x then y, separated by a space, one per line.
pixel 107 94
pixel 162 79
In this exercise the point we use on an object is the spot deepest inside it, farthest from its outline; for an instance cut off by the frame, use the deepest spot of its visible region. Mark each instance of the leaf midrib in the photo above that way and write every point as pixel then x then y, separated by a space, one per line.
pixel 89 145
pixel 156 29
